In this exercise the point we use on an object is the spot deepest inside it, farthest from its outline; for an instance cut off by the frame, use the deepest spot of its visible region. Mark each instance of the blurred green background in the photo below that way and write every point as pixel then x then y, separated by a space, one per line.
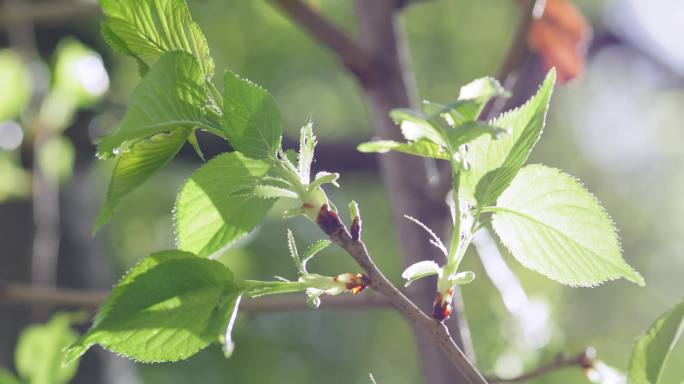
pixel 618 128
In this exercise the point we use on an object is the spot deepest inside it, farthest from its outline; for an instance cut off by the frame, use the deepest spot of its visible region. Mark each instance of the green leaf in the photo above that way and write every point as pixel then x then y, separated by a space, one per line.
pixel 424 148
pixel 472 99
pixel 40 351
pixel 552 225
pixel 653 348
pixel 146 29
pixel 314 249
pixel 325 178
pixel 167 308
pixel 494 163
pixel 470 131
pixel 415 126
pixel 170 97
pixel 208 216
pixel 251 119
pixel 6 377
pixel 272 192
pixel 420 270
pixel 144 159
pixel 195 145
pixel 307 143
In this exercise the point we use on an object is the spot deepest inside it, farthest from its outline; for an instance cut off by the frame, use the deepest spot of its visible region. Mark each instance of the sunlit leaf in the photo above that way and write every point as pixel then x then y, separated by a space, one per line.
pixel 494 163
pixel 209 217
pixel 146 29
pixel 144 159
pixel 171 96
pixel 424 148
pixel 552 225
pixel 167 308
pixel 251 118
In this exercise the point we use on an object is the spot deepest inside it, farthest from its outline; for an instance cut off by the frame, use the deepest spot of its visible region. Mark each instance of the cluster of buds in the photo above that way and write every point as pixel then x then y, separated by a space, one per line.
pixel 326 285
pixel 318 285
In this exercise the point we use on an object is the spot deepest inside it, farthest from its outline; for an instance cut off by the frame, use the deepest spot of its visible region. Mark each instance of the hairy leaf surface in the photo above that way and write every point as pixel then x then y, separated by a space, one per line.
pixel 209 217
pixel 552 225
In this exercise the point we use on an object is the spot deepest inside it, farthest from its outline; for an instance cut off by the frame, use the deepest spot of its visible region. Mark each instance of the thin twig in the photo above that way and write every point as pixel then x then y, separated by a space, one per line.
pixel 583 360
pixel 324 31
pixel 330 223
pixel 12 292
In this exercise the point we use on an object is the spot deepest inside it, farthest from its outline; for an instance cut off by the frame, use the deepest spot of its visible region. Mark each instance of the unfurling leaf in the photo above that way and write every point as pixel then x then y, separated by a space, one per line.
pixel 208 216
pixel 494 163
pixel 307 144
pixel 415 126
pixel 653 348
pixel 146 29
pixel 251 119
pixel 552 225
pixel 144 159
pixel 424 148
pixel 420 270
pixel 167 308
pixel 170 97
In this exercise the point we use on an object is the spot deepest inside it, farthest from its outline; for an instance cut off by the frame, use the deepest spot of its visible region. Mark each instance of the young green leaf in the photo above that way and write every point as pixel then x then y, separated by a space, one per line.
pixel 420 270
pixel 208 216
pixel 307 143
pixel 171 96
pixel 144 159
pixel 494 163
pixel 424 148
pixel 653 348
pixel 552 225
pixel 167 308
pixel 313 250
pixel 472 99
pixel 272 192
pixel 251 119
pixel 325 178
pixel 415 126
pixel 146 29
pixel 40 351
pixel 470 131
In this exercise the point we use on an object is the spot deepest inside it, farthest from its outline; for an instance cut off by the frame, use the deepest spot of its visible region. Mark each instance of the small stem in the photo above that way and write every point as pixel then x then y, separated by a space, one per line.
pixel 257 288
pixel 583 360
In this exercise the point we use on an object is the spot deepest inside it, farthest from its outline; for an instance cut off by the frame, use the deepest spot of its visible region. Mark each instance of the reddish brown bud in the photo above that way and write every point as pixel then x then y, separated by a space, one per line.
pixel 328 220
pixel 356 229
pixel 442 305
pixel 354 283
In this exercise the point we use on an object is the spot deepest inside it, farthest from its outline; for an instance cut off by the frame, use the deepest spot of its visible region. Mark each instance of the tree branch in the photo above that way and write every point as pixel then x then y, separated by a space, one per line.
pixel 48 11
pixel 583 360
pixel 330 223
pixel 12 292
pixel 351 55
